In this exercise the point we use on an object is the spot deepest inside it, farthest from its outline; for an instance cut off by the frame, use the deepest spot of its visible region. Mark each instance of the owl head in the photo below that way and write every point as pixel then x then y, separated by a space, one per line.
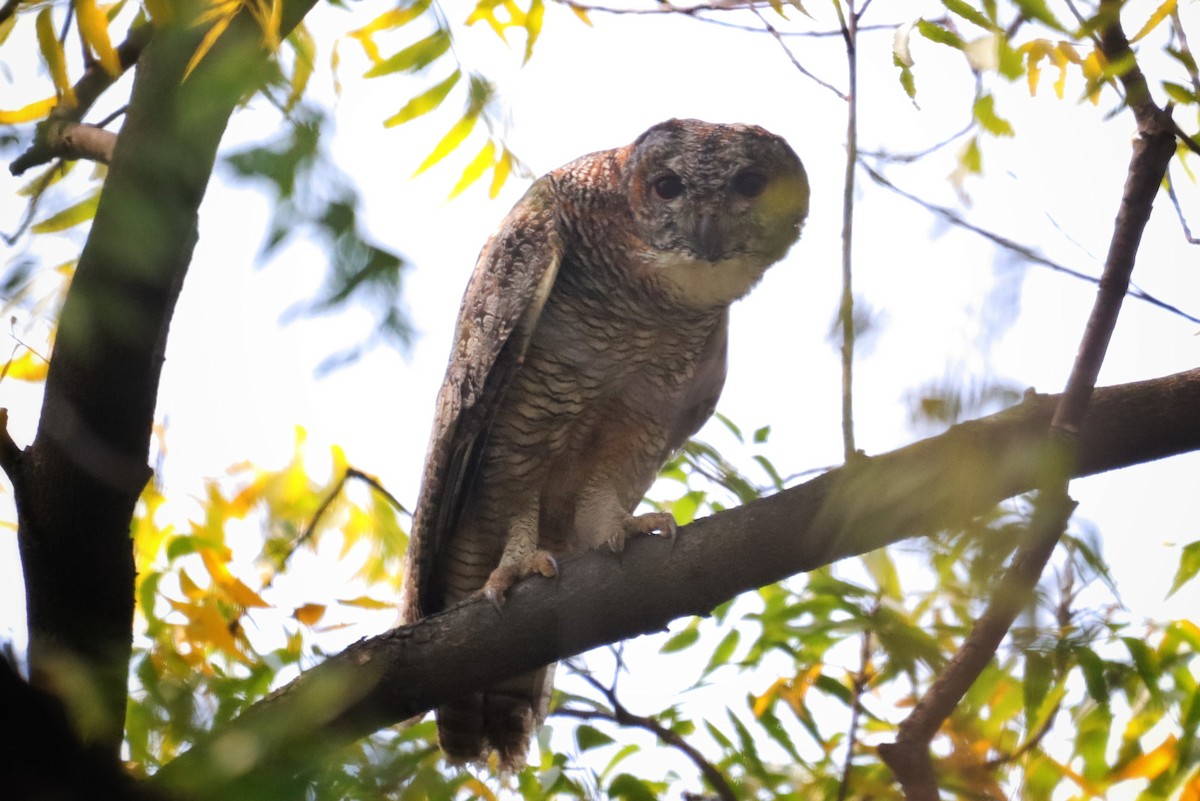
pixel 714 205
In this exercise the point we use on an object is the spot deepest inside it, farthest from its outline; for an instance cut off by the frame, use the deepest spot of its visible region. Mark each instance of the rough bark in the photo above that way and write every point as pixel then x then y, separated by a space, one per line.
pixel 600 598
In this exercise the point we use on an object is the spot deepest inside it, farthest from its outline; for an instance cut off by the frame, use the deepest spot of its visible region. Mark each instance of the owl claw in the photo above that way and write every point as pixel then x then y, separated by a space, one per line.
pixel 506 575
pixel 661 524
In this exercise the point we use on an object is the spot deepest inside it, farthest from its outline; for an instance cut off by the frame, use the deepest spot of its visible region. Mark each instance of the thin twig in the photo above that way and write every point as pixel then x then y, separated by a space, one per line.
pixel 791 56
pixel 849 22
pixel 696 13
pixel 1023 251
pixel 859 685
pixel 1187 232
pixel 908 158
pixel 622 716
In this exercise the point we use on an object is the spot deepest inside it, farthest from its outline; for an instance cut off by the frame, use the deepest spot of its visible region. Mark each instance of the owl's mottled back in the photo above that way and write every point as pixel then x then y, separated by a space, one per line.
pixel 590 345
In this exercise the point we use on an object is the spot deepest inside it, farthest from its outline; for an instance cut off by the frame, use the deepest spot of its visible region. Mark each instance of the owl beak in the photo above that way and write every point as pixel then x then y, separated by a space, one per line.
pixel 710 238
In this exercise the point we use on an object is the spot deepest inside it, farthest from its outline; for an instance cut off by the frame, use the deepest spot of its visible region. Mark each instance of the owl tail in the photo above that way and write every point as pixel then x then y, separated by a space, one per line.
pixel 502 718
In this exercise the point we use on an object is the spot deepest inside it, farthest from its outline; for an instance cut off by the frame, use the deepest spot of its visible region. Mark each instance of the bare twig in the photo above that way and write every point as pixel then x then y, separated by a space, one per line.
pixel 1025 252
pixel 1187 231
pixel 792 57
pixel 909 756
pixel 849 22
pixel 622 716
pixel 859 685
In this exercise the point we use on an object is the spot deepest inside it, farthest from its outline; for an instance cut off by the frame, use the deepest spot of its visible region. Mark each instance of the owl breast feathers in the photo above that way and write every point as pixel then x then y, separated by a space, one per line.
pixel 590 345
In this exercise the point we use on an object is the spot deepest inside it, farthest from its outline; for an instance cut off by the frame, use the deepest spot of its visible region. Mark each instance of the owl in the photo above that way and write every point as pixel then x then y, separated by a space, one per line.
pixel 590 345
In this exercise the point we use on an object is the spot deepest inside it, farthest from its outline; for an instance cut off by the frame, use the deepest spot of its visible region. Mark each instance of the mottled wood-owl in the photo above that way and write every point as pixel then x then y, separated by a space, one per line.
pixel 590 345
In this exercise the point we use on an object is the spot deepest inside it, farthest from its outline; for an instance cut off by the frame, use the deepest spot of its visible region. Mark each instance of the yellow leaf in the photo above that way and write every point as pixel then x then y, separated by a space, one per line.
pixel 302 67
pixel 210 38
pixel 52 54
pixel 366 602
pixel 207 626
pixel 389 20
pixel 500 173
pixel 309 614
pixel 1036 51
pixel 453 138
pixel 71 216
pixel 1162 12
pixel 243 596
pixel 581 12
pixel 1150 764
pixel 93 27
pixel 533 26
pixel 425 102
pixel 482 160
pixel 189 588
pixel 480 789
pixel 1093 70
pixel 1191 790
pixel 35 110
pixel 26 367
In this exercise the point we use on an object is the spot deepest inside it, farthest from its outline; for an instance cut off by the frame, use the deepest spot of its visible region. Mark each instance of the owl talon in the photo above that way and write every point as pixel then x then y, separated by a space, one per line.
pixel 661 524
pixel 502 579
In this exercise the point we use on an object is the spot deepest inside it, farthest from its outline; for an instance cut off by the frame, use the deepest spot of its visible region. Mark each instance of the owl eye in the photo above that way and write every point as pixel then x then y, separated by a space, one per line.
pixel 668 187
pixel 749 183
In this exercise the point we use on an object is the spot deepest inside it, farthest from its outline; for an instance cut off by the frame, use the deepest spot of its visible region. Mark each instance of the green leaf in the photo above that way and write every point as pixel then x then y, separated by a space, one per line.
pixel 1038 10
pixel 413 57
pixel 425 102
pixel 684 639
pixel 1146 665
pixel 1179 93
pixel 722 652
pixel 993 123
pixel 970 14
pixel 936 33
pixel 906 78
pixel 1092 667
pixel 631 788
pixel 588 737
pixel 760 434
pixel 1039 674
pixel 71 216
pixel 1189 565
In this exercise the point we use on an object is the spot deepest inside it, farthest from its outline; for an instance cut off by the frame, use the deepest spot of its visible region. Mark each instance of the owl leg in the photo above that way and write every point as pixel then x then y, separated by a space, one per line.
pixel 521 558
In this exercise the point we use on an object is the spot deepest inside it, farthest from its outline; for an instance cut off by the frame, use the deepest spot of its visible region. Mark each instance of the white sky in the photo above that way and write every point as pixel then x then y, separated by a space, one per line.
pixel 236 383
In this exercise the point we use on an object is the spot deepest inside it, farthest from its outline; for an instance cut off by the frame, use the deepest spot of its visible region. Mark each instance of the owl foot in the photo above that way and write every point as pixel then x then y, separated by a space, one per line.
pixel 662 523
pixel 506 575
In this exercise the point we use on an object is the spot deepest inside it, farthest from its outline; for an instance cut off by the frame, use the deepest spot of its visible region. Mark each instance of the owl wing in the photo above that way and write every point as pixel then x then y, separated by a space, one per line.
pixel 500 309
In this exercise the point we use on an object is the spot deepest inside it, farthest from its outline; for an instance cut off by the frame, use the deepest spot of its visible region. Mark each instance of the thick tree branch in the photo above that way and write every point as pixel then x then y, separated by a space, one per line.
pixel 601 598
pixel 78 482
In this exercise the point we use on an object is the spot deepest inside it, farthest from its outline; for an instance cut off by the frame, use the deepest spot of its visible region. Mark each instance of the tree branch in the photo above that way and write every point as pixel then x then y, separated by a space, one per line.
pixel 78 482
pixel 601 598
pixel 909 756
pixel 62 134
